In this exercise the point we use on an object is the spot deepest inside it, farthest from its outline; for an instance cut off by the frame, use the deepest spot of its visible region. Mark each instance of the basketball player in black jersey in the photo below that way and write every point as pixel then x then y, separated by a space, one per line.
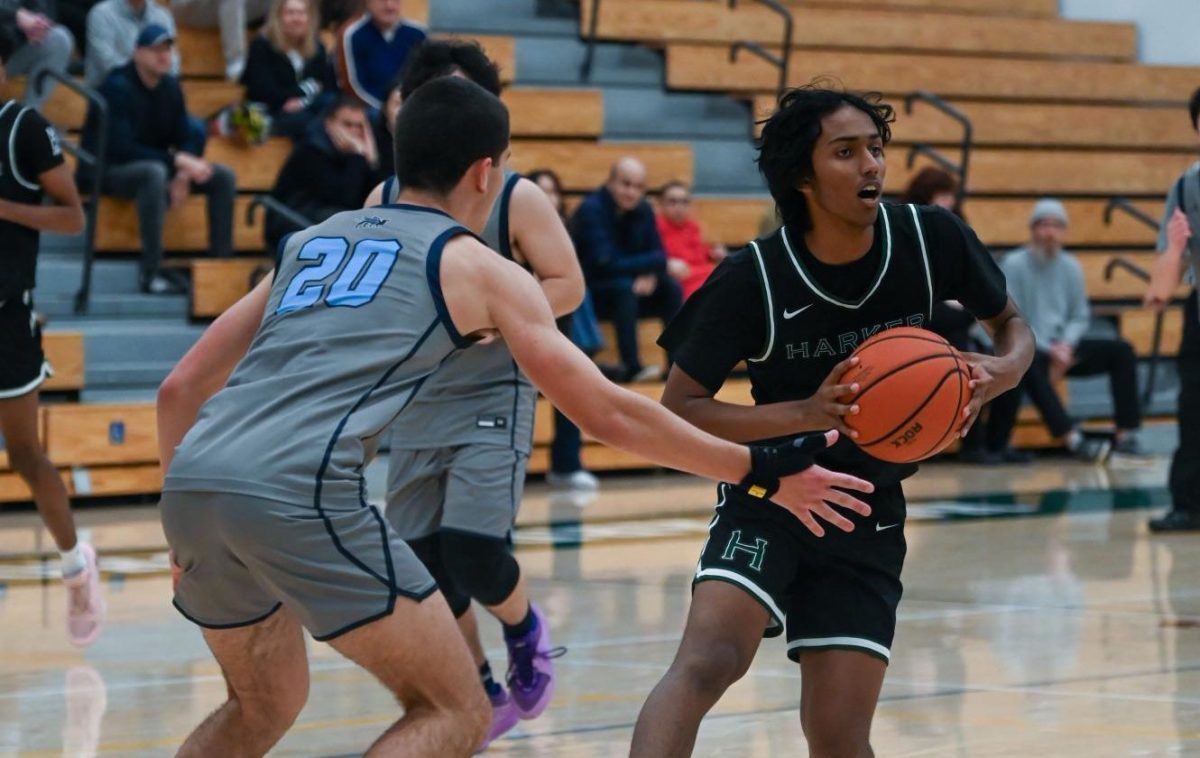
pixel 794 305
pixel 32 166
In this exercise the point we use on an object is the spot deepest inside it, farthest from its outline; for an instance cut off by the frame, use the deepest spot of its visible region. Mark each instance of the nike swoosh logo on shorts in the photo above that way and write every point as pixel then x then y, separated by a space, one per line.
pixel 881 527
pixel 793 314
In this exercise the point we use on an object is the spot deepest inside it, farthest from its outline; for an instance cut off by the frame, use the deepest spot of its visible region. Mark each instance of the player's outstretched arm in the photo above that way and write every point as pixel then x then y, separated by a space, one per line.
pixel 206 367
pixel 993 375
pixel 484 293
pixel 543 243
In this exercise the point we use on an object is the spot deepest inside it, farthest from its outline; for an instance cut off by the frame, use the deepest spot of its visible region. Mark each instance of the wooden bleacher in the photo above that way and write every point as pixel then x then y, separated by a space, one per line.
pixel 219 283
pixel 64 351
pixel 663 21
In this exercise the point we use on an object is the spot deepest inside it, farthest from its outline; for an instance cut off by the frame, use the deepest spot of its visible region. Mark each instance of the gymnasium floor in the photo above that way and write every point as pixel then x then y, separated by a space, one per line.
pixel 1039 619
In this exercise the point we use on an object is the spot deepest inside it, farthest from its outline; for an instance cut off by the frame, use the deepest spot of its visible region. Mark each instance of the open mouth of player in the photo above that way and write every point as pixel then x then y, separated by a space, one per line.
pixel 870 193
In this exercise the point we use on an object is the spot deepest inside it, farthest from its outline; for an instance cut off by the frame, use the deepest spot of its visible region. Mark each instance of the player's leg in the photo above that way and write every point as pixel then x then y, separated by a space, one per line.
pixel 418 654
pixel 23 370
pixel 19 425
pixel 265 666
pixel 724 628
pixel 1114 357
pixel 745 568
pixel 483 490
pixel 838 694
pixel 841 623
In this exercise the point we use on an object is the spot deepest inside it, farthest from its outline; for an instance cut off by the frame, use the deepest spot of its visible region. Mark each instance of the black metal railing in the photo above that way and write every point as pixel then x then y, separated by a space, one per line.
pixel 585 70
pixel 962 168
pixel 268 203
pixel 1123 204
pixel 782 61
pixel 95 163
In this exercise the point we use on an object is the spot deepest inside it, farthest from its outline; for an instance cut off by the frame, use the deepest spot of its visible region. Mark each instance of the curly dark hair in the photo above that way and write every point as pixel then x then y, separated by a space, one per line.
pixel 785 149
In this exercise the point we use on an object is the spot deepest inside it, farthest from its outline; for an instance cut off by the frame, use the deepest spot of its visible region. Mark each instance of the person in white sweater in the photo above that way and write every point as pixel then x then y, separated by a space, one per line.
pixel 1047 284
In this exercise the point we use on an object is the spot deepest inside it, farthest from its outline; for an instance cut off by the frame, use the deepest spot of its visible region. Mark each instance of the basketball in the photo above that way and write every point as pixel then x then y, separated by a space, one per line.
pixel 913 387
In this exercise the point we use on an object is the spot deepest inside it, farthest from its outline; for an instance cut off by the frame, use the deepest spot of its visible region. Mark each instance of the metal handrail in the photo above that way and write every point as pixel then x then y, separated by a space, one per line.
pixel 1129 266
pixel 268 203
pixel 97 163
pixel 965 146
pixel 585 70
pixel 1121 203
pixel 933 154
pixel 781 61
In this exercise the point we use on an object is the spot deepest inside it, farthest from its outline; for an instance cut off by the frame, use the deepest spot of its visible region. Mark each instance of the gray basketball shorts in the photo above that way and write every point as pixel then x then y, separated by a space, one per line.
pixel 469 488
pixel 244 557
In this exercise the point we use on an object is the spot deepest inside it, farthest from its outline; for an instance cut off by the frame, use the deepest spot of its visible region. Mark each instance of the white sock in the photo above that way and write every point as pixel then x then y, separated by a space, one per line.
pixel 1074 437
pixel 72 561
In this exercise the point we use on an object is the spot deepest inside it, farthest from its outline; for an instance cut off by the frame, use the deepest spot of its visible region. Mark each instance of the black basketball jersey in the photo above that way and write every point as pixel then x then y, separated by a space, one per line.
pixel 29 146
pixel 793 319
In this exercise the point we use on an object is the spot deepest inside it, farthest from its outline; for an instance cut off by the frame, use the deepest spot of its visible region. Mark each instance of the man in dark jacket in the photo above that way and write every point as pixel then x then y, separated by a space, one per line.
pixel 331 170
pixel 623 260
pixel 154 155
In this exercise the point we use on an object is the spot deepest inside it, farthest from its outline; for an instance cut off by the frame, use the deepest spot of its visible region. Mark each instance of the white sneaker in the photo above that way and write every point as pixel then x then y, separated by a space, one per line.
pixel 647 374
pixel 576 480
pixel 85 602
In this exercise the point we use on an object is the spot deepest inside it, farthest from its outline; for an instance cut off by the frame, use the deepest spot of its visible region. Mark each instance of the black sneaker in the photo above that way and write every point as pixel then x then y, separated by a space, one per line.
pixel 1092 450
pixel 1176 521
pixel 1130 445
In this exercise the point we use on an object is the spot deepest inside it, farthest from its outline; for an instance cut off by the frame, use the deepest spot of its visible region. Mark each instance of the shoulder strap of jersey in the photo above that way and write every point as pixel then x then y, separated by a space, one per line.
pixel 764 281
pixel 389 185
pixel 505 239
pixel 916 217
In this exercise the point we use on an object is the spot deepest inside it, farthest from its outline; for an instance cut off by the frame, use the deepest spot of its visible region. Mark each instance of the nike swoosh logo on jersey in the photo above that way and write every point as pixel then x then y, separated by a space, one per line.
pixel 881 527
pixel 793 314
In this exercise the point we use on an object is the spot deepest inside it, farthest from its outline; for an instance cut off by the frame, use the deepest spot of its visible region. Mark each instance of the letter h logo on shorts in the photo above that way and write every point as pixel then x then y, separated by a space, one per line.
pixel 757 551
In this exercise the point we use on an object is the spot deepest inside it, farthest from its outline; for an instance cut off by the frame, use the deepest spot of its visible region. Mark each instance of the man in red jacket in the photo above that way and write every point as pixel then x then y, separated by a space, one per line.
pixel 689 258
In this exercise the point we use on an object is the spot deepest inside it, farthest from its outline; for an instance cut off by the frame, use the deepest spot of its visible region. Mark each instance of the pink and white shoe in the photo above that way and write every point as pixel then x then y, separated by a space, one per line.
pixel 85 603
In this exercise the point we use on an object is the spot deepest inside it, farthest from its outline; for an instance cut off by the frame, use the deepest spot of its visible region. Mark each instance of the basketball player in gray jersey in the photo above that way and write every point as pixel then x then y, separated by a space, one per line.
pixel 456 475
pixel 262 503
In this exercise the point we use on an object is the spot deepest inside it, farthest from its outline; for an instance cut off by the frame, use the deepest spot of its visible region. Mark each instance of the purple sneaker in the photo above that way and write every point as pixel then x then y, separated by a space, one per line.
pixel 530 670
pixel 504 716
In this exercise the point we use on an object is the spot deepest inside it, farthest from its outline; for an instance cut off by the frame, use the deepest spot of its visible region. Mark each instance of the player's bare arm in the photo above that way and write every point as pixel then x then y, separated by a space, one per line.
pixel 64 216
pixel 542 242
pixel 993 375
pixel 375 197
pixel 206 367
pixel 611 414
pixel 746 423
pixel 1171 263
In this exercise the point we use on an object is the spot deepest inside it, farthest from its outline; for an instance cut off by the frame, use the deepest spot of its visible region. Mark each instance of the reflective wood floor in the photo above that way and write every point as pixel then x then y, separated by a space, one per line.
pixel 1039 619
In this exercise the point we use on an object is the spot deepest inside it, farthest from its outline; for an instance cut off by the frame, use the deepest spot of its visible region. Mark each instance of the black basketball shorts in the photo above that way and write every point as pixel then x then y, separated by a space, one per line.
pixel 839 591
pixel 23 367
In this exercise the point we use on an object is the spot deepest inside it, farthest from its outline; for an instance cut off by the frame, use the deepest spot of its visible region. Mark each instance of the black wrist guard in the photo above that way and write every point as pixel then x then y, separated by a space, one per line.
pixel 770 463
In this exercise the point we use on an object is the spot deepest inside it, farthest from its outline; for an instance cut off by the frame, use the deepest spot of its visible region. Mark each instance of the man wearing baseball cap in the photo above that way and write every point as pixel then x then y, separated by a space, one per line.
pixel 1047 284
pixel 153 154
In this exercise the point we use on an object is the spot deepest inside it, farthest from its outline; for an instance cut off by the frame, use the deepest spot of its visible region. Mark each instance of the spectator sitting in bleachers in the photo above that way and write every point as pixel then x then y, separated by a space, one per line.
pixel 231 17
pixel 112 31
pixel 1048 287
pixel 41 44
pixel 73 15
pixel 331 170
pixel 624 262
pixel 153 155
pixel 288 70
pixel 690 259
pixel 373 49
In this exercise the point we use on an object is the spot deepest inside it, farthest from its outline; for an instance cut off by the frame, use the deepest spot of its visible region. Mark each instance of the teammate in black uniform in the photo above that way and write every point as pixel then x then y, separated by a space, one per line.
pixel 794 305
pixel 31 166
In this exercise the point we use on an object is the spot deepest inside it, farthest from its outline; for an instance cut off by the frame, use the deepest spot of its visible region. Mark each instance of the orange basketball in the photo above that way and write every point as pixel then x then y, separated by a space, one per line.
pixel 913 386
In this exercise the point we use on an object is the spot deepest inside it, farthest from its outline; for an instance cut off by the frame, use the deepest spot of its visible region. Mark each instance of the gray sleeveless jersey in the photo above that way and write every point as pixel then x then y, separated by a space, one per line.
pixel 480 396
pixel 355 325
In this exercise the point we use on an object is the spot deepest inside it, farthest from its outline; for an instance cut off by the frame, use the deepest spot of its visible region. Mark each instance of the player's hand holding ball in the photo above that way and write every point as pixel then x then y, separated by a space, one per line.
pixel 787 475
pixel 827 407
